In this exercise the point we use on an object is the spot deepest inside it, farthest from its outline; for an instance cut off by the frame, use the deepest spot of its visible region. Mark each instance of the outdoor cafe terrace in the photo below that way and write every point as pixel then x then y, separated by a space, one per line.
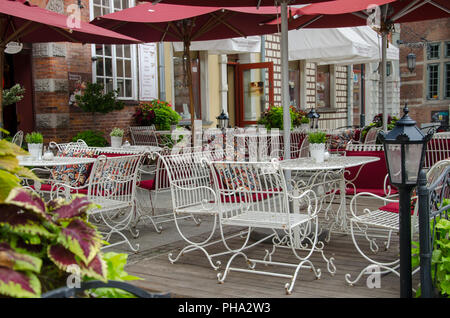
pixel 198 223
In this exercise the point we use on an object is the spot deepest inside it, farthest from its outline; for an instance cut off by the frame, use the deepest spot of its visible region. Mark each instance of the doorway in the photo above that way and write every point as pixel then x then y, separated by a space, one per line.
pixel 254 92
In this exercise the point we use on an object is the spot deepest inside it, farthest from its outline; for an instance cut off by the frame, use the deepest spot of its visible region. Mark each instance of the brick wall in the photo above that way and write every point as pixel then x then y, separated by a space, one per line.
pixel 272 48
pixel 52 63
pixel 413 89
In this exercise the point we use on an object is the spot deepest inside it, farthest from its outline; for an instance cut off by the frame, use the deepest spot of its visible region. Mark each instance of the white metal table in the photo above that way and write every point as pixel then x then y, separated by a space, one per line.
pixel 328 179
pixel 29 161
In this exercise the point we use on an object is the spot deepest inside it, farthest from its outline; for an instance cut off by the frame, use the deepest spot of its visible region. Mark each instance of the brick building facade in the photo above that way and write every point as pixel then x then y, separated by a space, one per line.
pixel 426 89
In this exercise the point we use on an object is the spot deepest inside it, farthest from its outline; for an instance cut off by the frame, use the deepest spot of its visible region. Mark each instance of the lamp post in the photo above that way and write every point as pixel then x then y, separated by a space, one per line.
pixel 404 149
pixel 313 118
pixel 411 62
pixel 222 120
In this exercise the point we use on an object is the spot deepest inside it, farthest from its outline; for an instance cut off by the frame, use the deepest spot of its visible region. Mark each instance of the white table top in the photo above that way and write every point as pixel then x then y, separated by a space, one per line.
pixel 132 148
pixel 333 163
pixel 29 161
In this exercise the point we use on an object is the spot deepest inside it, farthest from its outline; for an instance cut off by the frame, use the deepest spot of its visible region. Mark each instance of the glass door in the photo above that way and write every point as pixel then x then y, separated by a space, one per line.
pixel 255 89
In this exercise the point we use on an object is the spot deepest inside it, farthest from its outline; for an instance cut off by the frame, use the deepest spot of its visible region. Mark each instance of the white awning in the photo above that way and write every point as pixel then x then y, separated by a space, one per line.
pixel 338 46
pixel 250 44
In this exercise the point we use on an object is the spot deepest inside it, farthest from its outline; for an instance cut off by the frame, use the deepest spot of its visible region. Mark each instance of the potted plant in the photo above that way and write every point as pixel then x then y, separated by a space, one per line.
pixel 317 145
pixel 116 137
pixel 158 113
pixel 304 122
pixel 95 100
pixel 35 141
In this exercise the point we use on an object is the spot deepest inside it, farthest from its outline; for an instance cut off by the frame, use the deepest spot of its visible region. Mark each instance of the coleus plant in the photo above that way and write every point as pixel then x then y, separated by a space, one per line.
pixel 39 242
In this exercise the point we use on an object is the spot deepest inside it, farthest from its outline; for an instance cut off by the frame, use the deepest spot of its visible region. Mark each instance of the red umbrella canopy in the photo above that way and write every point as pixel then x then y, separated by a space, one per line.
pixel 347 13
pixel 232 3
pixel 23 22
pixel 163 22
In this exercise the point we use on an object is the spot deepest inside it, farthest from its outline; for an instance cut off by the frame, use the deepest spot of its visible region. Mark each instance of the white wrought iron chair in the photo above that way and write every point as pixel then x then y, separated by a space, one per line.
pixel 144 135
pixel 18 138
pixel 148 189
pixel 438 148
pixel 372 222
pixel 112 186
pixel 254 195
pixel 193 194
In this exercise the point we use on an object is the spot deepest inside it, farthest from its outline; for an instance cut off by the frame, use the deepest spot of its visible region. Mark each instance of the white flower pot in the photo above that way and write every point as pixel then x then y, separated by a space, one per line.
pixel 35 150
pixel 317 152
pixel 116 142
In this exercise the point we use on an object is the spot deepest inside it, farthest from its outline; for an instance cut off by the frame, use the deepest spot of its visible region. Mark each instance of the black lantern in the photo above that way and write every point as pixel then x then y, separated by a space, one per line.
pixel 222 120
pixel 411 61
pixel 313 118
pixel 404 150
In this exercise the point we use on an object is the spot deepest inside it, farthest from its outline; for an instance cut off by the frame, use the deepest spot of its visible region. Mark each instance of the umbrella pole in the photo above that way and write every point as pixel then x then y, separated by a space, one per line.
pixel 285 80
pixel 383 80
pixel 187 55
pixel 2 59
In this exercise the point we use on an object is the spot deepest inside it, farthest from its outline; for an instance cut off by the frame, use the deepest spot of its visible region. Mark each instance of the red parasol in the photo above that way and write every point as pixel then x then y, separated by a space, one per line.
pixel 166 22
pixel 22 22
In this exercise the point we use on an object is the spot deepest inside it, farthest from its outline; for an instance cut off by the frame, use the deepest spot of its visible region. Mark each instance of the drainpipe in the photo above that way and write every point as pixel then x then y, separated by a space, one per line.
pixel 362 120
pixel 263 59
pixel 162 77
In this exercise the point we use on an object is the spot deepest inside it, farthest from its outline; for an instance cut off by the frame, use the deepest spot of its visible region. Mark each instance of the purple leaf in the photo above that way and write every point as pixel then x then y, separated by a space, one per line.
pixel 22 221
pixel 18 261
pixel 82 239
pixel 27 200
pixel 19 284
pixel 76 207
pixel 63 258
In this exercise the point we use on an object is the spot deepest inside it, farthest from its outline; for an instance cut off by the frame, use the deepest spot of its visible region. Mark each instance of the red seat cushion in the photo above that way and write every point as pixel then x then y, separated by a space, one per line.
pixel 48 187
pixel 394 207
pixel 147 184
pixel 380 192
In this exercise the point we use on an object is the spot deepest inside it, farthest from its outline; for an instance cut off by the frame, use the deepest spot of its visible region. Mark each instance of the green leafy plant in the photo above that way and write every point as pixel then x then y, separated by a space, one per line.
pixel 92 138
pixel 13 95
pixel 378 122
pixel 39 242
pixel 440 258
pixel 10 171
pixel 158 113
pixel 317 137
pixel 273 117
pixel 95 100
pixel 115 264
pixel 116 132
pixel 304 120
pixel 34 138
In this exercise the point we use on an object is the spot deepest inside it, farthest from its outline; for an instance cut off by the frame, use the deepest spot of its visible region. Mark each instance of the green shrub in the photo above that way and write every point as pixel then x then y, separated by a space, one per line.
pixel 92 138
pixel 95 100
pixel 273 117
pixel 34 138
pixel 158 113
pixel 116 132
pixel 13 95
pixel 304 120
pixel 317 137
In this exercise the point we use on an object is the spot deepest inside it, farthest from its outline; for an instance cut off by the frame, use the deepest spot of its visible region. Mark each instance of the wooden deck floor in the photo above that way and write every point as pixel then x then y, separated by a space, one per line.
pixel 192 276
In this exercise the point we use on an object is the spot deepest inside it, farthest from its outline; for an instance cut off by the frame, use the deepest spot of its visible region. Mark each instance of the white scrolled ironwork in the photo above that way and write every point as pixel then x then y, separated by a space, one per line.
pixel 112 187
pixel 148 190
pixel 254 195
pixel 438 148
pixel 374 222
pixel 18 138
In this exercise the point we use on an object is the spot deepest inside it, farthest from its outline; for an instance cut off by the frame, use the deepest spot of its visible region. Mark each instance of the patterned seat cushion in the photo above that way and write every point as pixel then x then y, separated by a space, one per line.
pixel 75 175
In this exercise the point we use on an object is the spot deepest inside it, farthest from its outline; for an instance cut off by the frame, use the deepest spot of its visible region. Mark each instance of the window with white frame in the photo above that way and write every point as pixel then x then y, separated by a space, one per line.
pixel 438 70
pixel 115 65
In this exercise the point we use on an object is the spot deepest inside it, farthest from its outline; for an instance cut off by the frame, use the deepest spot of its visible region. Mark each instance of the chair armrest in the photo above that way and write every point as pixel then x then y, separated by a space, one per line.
pixel 353 202
pixel 311 197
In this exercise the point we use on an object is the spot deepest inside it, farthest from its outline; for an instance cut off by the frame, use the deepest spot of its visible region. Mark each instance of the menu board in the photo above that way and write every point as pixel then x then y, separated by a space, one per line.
pixel 148 72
